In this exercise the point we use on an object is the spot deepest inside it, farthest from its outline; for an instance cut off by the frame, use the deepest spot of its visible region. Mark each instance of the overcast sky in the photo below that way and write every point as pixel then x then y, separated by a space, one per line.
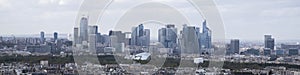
pixel 243 19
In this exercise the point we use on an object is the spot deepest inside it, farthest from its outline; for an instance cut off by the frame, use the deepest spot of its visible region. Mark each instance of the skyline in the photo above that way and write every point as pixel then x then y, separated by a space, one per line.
pixel 277 18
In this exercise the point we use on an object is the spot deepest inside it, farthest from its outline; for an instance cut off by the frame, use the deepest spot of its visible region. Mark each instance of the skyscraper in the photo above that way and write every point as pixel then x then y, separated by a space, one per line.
pixel 93 29
pixel 168 36
pixel 120 37
pixel 205 37
pixel 140 36
pixel 234 46
pixel 269 42
pixel 55 36
pixel 162 36
pixel 188 43
pixel 145 38
pixel 76 36
pixel 42 37
pixel 83 29
pixel 92 42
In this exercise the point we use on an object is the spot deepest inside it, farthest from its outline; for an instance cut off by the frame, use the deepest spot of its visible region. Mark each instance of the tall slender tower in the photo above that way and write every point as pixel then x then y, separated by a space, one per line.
pixel 42 37
pixel 55 36
pixel 75 36
pixel 206 36
pixel 83 29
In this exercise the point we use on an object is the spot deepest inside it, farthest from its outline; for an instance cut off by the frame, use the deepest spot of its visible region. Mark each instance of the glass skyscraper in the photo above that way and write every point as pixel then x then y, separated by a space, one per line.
pixel 234 46
pixel 42 37
pixel 205 37
pixel 188 43
pixel 269 42
pixel 76 36
pixel 168 36
pixel 83 29
pixel 140 36
pixel 55 36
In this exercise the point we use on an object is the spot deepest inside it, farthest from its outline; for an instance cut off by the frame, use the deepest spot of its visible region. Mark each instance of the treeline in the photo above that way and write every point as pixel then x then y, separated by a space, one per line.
pixel 169 62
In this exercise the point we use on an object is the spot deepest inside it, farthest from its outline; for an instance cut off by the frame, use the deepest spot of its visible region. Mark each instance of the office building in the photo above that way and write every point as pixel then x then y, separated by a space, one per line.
pixel 288 46
pixel 188 43
pixel 42 37
pixel 92 42
pixel 168 36
pixel 293 51
pixel 252 51
pixel 83 29
pixel 92 29
pixel 269 42
pixel 206 36
pixel 140 36
pixel 234 46
pixel 75 36
pixel 267 51
pixel 55 36
pixel 280 52
pixel 127 38
pixel 120 37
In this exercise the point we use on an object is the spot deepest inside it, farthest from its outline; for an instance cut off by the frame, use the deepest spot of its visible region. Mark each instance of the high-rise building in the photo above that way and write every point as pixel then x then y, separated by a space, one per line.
pixel 42 37
pixel 205 38
pixel 55 36
pixel 92 29
pixel 127 38
pixel 92 42
pixel 269 42
pixel 140 36
pixel 83 29
pixel 145 39
pixel 119 35
pixel 117 40
pixel 75 36
pixel 168 36
pixel 234 46
pixel 187 40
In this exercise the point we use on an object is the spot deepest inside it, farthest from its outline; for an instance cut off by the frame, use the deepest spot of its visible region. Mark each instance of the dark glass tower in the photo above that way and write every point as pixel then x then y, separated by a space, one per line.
pixel 205 38
pixel 269 42
pixel 55 36
pixel 42 37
